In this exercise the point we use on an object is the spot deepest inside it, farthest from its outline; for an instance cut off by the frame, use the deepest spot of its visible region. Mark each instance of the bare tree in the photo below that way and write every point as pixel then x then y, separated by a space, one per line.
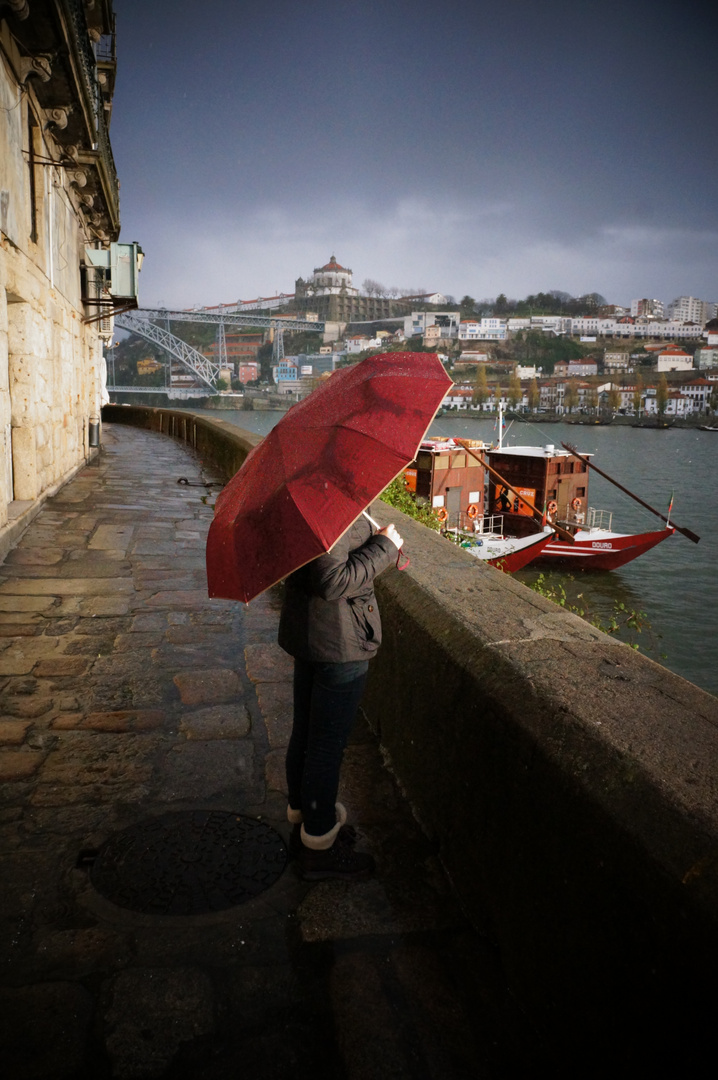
pixel 374 288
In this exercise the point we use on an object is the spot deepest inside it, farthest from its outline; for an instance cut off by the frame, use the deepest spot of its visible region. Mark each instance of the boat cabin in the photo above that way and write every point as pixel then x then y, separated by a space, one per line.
pixel 548 477
pixel 447 478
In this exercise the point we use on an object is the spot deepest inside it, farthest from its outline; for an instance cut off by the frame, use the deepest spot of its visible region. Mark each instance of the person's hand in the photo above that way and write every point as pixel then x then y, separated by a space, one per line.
pixel 390 532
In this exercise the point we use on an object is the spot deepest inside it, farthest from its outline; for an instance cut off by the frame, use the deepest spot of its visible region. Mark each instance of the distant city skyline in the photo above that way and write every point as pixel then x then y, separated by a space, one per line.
pixel 472 150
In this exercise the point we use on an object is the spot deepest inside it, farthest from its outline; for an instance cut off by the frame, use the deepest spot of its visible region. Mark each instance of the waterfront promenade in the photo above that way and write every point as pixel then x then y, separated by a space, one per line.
pixel 128 696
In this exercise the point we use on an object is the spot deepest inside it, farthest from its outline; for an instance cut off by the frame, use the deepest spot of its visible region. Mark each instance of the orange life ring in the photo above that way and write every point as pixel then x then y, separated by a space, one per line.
pixel 473 511
pixel 442 514
pixel 576 504
pixel 552 507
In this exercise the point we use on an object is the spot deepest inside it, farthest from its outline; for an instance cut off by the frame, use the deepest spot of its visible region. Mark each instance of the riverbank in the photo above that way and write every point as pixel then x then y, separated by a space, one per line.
pixel 282 402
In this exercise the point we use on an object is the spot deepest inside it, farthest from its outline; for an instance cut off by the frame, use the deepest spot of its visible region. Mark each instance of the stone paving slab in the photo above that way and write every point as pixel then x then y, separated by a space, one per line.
pixel 126 693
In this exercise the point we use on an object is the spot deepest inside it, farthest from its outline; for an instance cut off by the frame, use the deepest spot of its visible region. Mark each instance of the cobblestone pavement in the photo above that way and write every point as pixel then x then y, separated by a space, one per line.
pixel 127 695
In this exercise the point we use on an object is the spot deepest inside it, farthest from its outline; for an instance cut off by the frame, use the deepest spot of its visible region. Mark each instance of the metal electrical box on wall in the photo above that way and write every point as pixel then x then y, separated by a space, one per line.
pixel 123 262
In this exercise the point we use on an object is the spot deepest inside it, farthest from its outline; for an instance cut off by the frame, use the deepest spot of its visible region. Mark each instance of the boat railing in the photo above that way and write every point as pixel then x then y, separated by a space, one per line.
pixel 599 519
pixel 493 523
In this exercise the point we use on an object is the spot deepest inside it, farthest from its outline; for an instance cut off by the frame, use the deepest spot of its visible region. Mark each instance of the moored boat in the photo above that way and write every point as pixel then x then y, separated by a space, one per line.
pixel 446 477
pixel 490 544
pixel 556 480
pixel 600 549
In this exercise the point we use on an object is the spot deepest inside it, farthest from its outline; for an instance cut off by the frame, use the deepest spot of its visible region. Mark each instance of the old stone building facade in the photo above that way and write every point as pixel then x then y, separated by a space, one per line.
pixel 329 292
pixel 59 215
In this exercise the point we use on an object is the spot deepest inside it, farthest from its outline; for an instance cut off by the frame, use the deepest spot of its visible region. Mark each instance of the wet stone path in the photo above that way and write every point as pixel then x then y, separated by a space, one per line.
pixel 131 701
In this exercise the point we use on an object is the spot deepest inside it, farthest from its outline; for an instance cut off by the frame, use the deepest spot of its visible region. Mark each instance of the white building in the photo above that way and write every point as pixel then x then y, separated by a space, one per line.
pixel 435 298
pixel 547 324
pixel 331 280
pixel 418 322
pixel 676 405
pixel 689 309
pixel 359 342
pixel 629 328
pixel 698 391
pixel 674 359
pixel 482 330
pixel 652 309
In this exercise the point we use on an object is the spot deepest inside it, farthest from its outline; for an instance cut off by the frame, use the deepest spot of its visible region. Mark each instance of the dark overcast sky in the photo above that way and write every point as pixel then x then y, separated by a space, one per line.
pixel 465 147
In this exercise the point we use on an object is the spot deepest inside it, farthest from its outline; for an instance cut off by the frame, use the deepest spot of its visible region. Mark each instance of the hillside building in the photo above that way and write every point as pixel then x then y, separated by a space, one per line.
pixel 650 309
pixel 617 361
pixel 706 357
pixel 488 329
pixel 329 293
pixel 674 359
pixel 419 322
pixel 691 310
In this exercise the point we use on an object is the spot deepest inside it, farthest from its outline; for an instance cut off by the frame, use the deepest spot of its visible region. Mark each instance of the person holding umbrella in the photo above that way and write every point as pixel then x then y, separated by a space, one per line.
pixel 294 512
pixel 330 624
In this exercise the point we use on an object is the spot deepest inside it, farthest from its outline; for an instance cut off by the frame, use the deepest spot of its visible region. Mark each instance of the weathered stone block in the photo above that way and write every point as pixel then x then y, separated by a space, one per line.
pixel 268 663
pixel 210 686
pixel 19 764
pixel 217 722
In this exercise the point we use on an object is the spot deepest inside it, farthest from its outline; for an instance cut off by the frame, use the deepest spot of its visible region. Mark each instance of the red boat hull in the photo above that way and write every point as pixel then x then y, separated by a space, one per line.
pixel 518 559
pixel 600 554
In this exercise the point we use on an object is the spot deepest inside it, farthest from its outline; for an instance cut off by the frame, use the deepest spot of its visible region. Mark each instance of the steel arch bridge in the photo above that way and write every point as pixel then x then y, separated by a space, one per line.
pixel 146 322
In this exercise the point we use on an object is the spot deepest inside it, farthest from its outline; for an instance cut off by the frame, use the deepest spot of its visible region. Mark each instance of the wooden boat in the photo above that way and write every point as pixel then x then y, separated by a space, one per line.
pixel 446 477
pixel 527 479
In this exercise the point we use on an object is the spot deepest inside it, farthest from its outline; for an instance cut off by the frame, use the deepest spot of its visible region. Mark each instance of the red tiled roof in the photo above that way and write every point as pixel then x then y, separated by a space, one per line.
pixel 332 265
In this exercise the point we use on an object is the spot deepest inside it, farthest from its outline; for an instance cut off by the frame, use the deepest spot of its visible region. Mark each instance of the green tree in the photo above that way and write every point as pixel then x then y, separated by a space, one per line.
pixel 467 306
pixel 534 396
pixel 221 385
pixel 662 395
pixel 481 387
pixel 614 398
pixel 637 396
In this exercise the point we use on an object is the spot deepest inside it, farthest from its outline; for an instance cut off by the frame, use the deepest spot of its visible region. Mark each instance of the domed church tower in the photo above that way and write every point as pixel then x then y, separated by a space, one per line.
pixel 330 280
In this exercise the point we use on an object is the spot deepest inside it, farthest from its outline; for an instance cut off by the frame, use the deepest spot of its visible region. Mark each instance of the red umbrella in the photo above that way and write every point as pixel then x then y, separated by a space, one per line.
pixel 318 468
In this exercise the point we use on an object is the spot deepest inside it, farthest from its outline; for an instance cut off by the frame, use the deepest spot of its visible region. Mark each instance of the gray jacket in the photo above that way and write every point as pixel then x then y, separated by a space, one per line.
pixel 330 613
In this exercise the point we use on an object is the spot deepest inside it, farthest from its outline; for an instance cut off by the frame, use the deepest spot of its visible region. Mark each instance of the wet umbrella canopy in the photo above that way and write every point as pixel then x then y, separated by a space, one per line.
pixel 318 468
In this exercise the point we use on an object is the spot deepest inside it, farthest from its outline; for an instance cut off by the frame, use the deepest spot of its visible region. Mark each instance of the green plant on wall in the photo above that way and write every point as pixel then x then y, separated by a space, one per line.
pixel 397 496
pixel 622 621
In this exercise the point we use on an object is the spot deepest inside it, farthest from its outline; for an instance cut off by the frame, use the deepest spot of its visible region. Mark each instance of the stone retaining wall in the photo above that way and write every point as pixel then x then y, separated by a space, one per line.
pixel 569 784
pixel 217 442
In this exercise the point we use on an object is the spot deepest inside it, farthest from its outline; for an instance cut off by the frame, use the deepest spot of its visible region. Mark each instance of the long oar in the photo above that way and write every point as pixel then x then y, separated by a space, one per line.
pixel 563 533
pixel 686 532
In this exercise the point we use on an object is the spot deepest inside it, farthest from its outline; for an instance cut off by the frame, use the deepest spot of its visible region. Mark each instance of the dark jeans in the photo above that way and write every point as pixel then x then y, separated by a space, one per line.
pixel 326 700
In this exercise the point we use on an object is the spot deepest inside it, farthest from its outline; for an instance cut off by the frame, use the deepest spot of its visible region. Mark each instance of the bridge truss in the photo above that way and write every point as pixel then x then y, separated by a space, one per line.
pixel 145 322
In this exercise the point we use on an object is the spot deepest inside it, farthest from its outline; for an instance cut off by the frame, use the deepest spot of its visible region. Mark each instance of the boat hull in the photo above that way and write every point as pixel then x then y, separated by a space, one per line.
pixel 510 554
pixel 591 551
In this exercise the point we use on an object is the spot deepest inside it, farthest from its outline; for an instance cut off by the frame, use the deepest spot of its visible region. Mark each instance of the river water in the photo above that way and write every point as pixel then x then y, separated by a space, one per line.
pixel 675 584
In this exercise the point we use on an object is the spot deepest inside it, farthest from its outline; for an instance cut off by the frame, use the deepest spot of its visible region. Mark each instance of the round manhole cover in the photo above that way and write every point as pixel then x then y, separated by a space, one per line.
pixel 189 863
